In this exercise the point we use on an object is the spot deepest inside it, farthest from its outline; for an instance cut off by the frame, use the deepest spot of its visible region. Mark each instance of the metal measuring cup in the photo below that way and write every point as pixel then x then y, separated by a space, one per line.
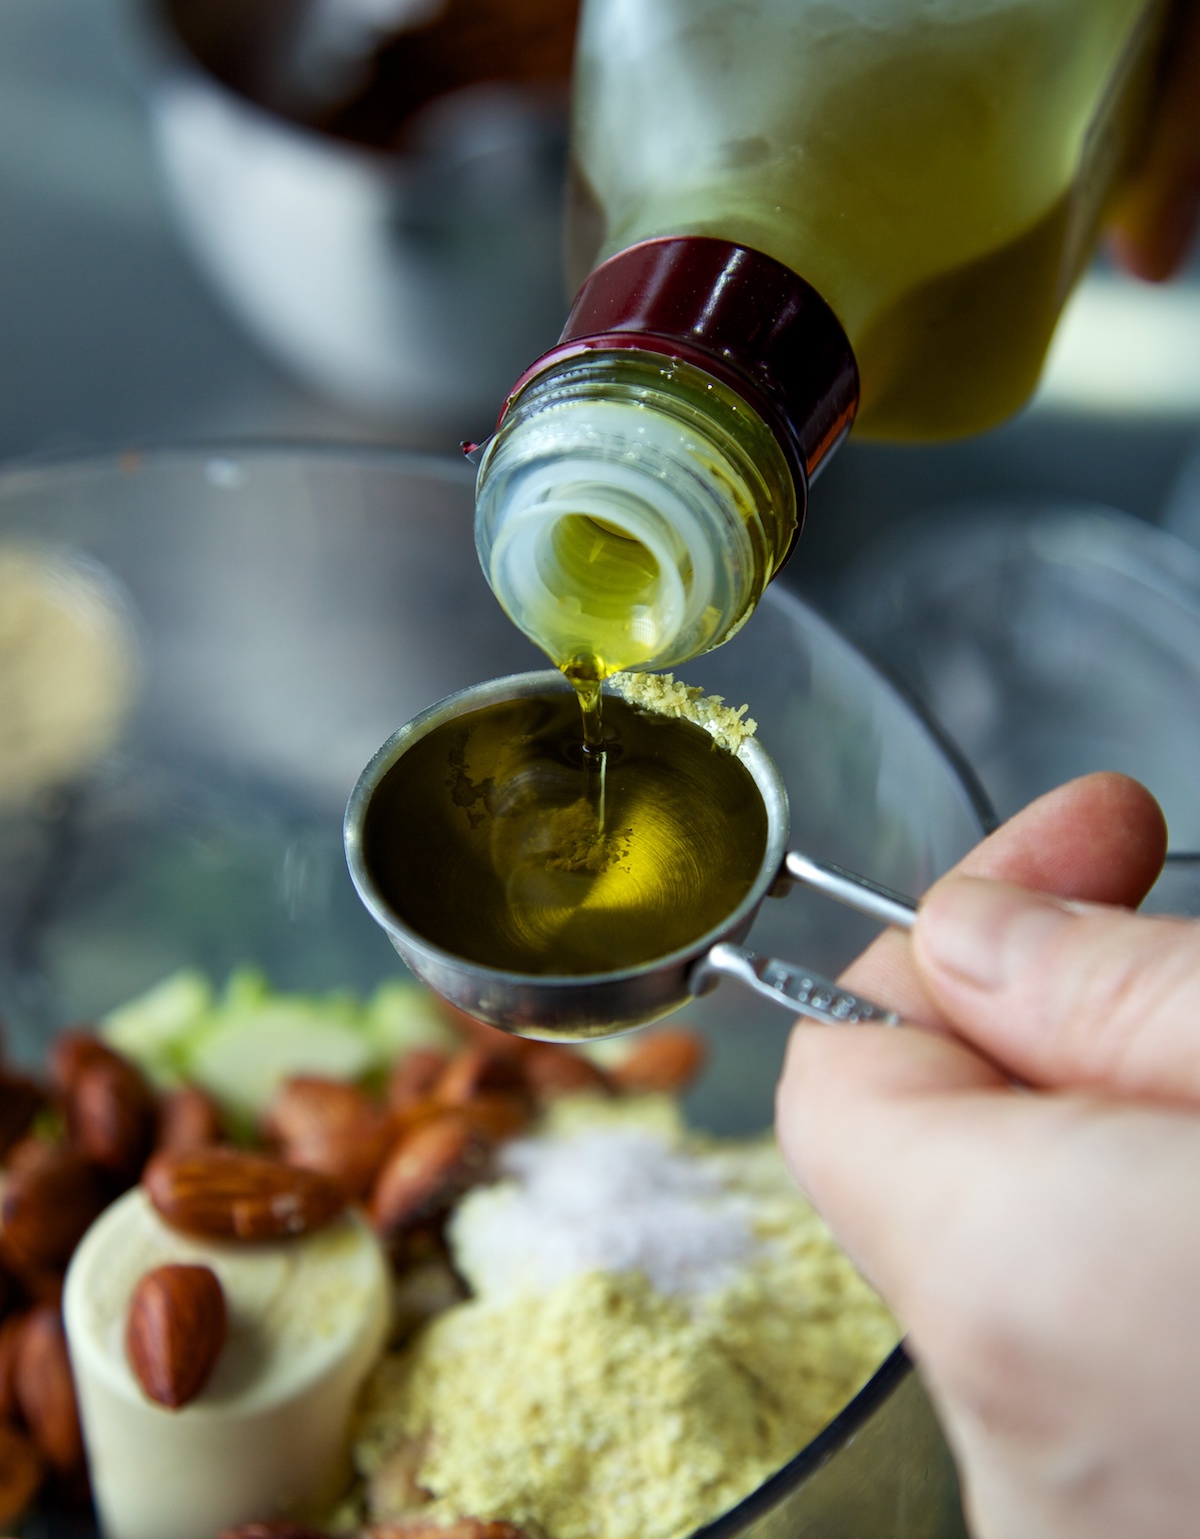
pixel 553 1006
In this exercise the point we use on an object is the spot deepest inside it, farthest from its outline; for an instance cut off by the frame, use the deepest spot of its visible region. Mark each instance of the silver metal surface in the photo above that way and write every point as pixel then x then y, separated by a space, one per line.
pixel 795 988
pixel 857 892
pixel 602 1004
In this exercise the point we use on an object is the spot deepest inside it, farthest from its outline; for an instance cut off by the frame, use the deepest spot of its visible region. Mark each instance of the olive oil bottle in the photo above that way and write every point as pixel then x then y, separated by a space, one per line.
pixel 496 840
pixel 802 211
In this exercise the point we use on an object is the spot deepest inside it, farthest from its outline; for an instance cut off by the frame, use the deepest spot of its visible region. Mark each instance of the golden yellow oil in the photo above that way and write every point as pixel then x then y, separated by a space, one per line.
pixel 938 173
pixel 497 839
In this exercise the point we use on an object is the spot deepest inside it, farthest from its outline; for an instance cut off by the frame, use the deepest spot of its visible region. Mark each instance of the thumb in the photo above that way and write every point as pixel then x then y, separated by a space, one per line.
pixel 1063 994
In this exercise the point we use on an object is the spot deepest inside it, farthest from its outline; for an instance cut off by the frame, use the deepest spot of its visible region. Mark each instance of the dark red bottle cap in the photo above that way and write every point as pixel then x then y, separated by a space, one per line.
pixel 742 317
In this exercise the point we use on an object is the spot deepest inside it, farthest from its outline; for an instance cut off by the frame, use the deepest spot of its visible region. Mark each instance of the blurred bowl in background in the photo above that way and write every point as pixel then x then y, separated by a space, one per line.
pixel 374 187
pixel 1048 642
pixel 1181 514
pixel 289 609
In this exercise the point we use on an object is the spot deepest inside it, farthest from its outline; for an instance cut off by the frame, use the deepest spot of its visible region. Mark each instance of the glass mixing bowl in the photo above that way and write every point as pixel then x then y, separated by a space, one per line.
pixel 260 620
pixel 1049 641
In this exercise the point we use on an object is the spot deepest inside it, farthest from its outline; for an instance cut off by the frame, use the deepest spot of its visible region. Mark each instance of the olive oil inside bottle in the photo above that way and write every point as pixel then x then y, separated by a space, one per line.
pixel 484 837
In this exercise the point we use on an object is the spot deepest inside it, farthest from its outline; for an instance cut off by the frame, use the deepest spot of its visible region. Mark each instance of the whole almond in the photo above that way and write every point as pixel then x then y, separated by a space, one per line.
pixel 10 1335
pixel 666 1060
pixel 21 1474
pixel 47 1205
pixel 331 1127
pixel 225 1194
pixel 426 1170
pixel 552 1070
pixel 497 1116
pixel 46 1390
pixel 33 1152
pixel 175 1331
pixel 413 1078
pixel 424 1110
pixel 73 1051
pixel 112 1117
pixel 20 1101
pixel 477 1070
pixel 187 1120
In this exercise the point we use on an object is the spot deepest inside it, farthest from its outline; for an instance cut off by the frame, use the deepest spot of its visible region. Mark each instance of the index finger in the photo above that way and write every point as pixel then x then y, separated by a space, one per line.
pixel 862 1112
pixel 1099 839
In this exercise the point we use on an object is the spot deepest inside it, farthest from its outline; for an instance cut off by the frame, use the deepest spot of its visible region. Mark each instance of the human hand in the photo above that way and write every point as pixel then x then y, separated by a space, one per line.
pixel 1156 219
pixel 1039 1246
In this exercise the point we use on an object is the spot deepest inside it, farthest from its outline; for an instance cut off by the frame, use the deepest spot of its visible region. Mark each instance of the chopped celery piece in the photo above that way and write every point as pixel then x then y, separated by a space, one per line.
pixel 250 1050
pixel 245 988
pixel 154 1028
pixel 402 1015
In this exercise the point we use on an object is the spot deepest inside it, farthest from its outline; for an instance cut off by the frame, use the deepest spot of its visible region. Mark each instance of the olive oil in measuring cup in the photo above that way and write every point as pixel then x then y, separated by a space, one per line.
pixel 486 839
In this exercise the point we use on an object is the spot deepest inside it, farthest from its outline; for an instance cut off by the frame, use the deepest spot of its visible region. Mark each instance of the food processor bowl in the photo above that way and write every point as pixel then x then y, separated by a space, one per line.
pixel 273 614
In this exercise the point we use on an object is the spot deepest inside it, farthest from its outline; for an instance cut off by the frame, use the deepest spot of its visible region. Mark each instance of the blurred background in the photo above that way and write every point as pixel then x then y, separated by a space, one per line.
pixel 217 228
pixel 124 321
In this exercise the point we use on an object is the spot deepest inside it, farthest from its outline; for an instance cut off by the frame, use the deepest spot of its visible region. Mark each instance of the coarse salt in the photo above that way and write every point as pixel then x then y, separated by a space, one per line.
pixel 609 1200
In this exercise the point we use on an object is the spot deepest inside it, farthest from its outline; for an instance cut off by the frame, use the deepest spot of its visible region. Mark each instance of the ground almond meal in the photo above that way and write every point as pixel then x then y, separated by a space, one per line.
pixel 660 1321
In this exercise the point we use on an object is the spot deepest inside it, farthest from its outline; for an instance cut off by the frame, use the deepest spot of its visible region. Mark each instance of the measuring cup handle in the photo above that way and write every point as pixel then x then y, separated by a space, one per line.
pixel 848 887
pixel 796 988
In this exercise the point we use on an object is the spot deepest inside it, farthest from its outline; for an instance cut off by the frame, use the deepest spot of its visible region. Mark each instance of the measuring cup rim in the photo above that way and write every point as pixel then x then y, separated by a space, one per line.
pixel 515 686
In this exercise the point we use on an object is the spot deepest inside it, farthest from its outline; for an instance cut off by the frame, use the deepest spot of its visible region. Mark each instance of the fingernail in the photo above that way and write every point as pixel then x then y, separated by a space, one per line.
pixel 988 933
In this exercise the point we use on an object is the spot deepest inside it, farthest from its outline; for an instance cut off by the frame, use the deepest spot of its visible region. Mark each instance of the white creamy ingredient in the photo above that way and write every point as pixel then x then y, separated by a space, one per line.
pixel 266 1435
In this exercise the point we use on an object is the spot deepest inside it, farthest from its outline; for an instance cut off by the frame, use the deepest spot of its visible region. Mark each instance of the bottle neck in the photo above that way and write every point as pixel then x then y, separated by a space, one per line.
pixel 737 314
pixel 650 473
pixel 631 510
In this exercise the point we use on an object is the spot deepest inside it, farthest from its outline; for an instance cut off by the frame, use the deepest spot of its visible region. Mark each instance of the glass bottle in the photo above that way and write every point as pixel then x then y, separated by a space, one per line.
pixel 803 211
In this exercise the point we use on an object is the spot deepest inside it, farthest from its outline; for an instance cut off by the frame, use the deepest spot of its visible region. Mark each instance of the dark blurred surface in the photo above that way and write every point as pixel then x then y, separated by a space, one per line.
pixel 108 337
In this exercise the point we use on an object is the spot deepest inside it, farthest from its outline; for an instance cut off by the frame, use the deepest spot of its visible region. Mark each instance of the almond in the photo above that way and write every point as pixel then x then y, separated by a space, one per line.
pixel 73 1051
pixel 31 1283
pixel 331 1127
pixel 476 1070
pixel 20 1101
pixel 33 1152
pixel 21 1474
pixel 112 1117
pixel 175 1331
pixel 424 1110
pixel 667 1060
pixel 46 1390
pixel 413 1078
pixel 187 1120
pixel 225 1194
pixel 426 1170
pixel 49 1201
pixel 497 1116
pixel 552 1070
pixel 10 1335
